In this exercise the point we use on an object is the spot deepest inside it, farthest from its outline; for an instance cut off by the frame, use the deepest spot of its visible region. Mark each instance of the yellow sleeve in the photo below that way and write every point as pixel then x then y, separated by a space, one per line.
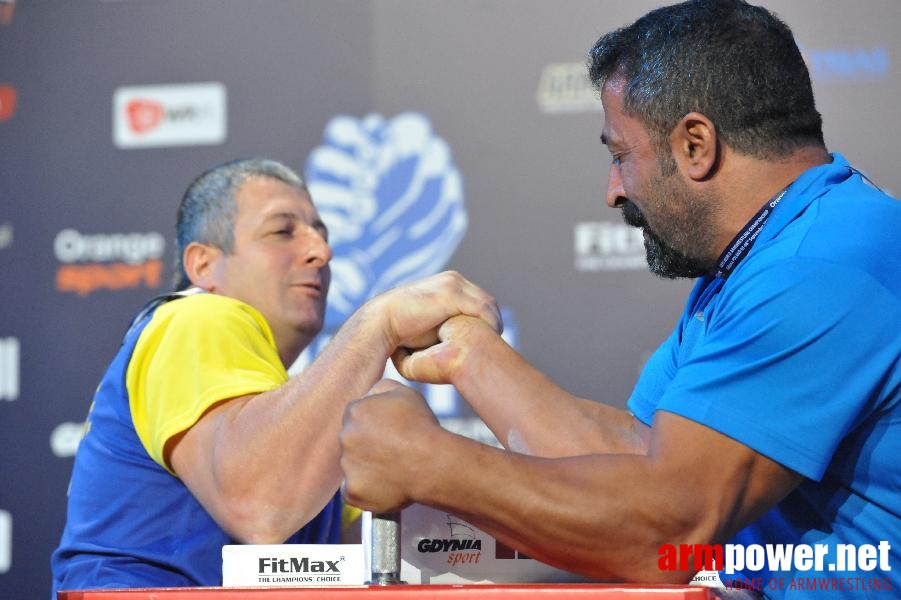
pixel 349 515
pixel 195 352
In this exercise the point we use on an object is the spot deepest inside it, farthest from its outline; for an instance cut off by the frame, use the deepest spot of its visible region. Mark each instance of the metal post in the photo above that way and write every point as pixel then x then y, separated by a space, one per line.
pixel 386 549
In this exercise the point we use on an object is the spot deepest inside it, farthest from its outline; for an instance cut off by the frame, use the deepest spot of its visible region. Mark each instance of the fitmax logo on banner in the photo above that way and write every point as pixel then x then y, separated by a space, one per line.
pixel 9 369
pixel 190 114
pixel 606 246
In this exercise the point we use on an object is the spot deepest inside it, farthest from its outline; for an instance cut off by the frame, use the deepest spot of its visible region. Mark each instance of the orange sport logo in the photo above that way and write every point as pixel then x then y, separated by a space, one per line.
pixel 7 8
pixel 119 261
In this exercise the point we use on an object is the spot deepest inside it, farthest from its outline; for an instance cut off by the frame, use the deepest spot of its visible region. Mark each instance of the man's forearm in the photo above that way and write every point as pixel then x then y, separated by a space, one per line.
pixel 517 402
pixel 600 514
pixel 554 510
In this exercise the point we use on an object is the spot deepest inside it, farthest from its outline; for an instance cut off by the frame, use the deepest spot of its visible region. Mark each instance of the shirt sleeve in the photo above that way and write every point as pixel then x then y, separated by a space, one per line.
pixel 655 377
pixel 662 366
pixel 194 353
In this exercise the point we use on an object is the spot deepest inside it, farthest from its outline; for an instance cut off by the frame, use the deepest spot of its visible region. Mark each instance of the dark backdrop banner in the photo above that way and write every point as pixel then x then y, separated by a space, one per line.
pixel 444 134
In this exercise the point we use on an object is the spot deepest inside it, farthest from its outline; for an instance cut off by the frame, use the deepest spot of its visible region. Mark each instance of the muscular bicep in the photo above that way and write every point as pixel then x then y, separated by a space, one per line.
pixel 715 484
pixel 194 455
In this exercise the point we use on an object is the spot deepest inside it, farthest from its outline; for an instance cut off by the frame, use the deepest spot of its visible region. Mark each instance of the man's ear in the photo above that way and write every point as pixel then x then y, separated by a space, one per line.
pixel 200 262
pixel 695 146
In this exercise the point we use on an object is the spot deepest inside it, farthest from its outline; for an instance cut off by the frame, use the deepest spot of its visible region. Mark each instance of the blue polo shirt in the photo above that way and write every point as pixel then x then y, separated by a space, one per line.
pixel 797 355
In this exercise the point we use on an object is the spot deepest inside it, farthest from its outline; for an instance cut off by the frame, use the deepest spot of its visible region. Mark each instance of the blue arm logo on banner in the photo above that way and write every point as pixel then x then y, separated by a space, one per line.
pixel 392 198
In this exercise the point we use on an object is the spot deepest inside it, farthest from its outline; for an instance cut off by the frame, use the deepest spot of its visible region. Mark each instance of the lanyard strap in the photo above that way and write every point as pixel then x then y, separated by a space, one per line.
pixel 741 244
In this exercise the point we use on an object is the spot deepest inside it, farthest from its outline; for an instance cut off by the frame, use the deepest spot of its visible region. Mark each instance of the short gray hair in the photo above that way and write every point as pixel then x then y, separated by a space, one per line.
pixel 208 209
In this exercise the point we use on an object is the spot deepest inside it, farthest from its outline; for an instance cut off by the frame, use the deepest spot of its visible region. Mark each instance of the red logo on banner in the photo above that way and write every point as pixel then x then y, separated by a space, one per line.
pixel 144 115
pixel 7 8
pixel 7 102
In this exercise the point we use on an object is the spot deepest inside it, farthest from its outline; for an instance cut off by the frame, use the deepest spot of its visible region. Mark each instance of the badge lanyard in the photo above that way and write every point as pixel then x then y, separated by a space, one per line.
pixel 741 244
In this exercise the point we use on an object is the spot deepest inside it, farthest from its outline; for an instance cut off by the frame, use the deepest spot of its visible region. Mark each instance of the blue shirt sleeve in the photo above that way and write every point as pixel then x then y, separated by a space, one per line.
pixel 762 370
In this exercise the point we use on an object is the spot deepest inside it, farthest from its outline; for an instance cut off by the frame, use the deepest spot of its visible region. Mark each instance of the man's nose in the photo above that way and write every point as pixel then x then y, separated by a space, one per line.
pixel 616 195
pixel 318 252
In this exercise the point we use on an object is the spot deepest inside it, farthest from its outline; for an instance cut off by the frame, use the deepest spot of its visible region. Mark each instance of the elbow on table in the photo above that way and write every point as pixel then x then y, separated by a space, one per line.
pixel 662 547
pixel 640 565
pixel 251 520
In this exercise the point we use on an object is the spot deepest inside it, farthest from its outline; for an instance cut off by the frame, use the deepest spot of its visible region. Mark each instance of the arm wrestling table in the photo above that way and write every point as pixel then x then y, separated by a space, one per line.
pixel 410 592
pixel 384 541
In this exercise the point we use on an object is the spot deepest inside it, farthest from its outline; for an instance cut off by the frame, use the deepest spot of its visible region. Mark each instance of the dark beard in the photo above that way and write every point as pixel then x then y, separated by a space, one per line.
pixel 663 260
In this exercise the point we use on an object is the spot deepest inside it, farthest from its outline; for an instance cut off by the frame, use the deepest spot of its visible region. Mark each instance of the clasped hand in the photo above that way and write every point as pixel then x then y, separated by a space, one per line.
pixel 430 326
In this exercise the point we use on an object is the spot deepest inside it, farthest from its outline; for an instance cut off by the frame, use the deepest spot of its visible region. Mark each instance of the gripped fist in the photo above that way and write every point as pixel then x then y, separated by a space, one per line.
pixel 414 312
pixel 383 440
pixel 457 339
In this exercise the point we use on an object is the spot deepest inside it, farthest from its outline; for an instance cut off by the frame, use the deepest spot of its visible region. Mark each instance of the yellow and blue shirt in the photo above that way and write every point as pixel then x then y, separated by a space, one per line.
pixel 131 522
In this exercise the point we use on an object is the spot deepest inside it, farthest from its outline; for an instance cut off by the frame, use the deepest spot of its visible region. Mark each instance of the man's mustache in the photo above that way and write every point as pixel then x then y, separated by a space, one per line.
pixel 632 215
